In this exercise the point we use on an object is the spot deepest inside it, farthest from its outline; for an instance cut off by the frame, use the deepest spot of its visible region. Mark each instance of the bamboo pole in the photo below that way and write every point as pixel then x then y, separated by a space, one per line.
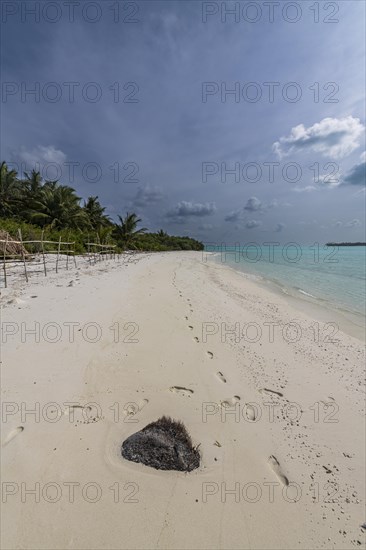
pixel 89 257
pixel 5 247
pixel 101 245
pixel 67 255
pixel 99 249
pixel 58 253
pixel 44 258
pixel 74 255
pixel 36 241
pixel 23 255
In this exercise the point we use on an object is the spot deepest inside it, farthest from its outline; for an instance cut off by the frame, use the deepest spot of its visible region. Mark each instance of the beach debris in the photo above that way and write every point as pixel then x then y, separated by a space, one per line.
pixel 221 377
pixel 187 392
pixel 12 434
pixel 267 390
pixel 163 445
pixel 217 444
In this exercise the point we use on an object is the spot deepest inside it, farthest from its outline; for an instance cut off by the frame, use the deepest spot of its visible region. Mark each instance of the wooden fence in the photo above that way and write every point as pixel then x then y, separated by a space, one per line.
pixel 97 252
pixel 46 256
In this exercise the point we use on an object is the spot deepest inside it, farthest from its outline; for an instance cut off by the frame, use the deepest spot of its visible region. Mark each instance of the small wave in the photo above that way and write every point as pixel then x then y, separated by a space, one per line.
pixel 306 293
pixel 251 276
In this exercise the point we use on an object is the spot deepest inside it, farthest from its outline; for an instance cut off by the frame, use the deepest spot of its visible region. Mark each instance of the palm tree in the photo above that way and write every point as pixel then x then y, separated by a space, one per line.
pixel 9 191
pixel 125 232
pixel 30 191
pixel 32 183
pixel 95 212
pixel 57 206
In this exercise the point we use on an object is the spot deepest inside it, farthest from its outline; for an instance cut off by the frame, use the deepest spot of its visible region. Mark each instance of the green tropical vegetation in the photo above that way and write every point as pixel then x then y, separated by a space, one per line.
pixel 47 207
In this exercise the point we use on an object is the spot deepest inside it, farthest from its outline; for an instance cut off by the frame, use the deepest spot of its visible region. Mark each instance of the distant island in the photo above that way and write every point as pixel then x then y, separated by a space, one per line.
pixel 345 244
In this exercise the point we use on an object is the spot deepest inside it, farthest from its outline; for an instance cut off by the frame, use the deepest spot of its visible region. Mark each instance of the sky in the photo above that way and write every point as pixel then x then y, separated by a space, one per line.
pixel 230 122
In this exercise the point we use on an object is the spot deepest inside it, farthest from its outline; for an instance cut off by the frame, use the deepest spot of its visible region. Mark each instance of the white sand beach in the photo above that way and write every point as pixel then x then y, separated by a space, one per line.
pixel 277 412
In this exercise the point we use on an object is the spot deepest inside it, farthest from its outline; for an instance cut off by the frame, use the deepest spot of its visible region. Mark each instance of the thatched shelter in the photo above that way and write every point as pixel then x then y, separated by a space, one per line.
pixel 11 246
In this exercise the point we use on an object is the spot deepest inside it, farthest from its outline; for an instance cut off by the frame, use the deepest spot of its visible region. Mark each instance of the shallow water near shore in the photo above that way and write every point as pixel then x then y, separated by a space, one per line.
pixel 327 282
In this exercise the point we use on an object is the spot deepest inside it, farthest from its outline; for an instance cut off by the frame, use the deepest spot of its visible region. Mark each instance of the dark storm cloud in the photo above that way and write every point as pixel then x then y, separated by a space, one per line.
pixel 357 174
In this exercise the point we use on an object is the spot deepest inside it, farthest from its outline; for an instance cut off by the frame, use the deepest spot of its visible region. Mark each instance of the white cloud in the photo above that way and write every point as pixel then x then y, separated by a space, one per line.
pixel 147 195
pixel 333 137
pixel 253 204
pixel 234 216
pixel 185 209
pixel 328 181
pixel 251 224
pixel 353 223
pixel 307 189
pixel 38 157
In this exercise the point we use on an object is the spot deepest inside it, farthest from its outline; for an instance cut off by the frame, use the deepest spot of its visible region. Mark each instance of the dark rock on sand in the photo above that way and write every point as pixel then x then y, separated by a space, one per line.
pixel 164 445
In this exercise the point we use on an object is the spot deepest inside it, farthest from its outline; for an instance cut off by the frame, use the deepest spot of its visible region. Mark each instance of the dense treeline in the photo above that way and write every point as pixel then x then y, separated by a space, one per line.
pixel 35 206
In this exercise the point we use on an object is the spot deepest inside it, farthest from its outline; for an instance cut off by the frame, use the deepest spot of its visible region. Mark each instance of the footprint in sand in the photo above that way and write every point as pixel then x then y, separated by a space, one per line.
pixel 250 412
pixel 86 416
pixel 186 392
pixel 16 301
pixel 267 391
pixel 210 354
pixel 230 402
pixel 13 434
pixel 221 377
pixel 196 339
pixel 275 465
pixel 68 410
pixel 190 327
pixel 133 408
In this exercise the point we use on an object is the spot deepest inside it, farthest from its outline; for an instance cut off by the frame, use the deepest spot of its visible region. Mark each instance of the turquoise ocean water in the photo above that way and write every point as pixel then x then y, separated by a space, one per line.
pixel 330 276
